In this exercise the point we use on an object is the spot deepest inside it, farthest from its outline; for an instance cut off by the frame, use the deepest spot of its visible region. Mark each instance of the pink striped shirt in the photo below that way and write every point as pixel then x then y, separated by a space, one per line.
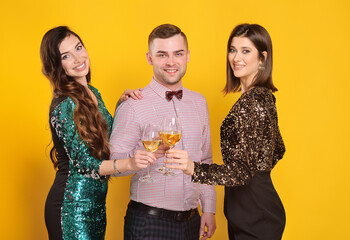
pixel 169 192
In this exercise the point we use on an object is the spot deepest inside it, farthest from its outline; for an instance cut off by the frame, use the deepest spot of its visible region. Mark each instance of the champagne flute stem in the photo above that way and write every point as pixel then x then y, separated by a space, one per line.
pixel 167 170
pixel 163 165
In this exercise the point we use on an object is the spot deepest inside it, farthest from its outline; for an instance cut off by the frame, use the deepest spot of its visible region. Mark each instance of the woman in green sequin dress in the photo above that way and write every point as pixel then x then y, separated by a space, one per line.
pixel 80 126
pixel 251 143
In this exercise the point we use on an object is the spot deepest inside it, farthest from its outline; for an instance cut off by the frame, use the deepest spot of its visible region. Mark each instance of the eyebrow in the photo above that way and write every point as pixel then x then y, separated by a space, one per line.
pixel 74 47
pixel 241 47
pixel 177 51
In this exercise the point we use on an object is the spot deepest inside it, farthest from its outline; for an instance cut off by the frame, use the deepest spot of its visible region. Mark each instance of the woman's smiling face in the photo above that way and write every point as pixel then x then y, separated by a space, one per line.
pixel 74 57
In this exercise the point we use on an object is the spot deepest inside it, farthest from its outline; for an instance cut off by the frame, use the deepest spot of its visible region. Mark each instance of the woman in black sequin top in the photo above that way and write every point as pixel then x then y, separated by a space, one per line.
pixel 251 143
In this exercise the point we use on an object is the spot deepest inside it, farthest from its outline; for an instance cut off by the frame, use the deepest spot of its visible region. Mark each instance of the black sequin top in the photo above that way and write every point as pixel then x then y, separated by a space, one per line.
pixel 250 141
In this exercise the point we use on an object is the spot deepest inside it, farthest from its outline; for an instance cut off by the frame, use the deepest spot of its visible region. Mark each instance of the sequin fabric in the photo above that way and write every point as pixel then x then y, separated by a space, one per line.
pixel 83 211
pixel 250 141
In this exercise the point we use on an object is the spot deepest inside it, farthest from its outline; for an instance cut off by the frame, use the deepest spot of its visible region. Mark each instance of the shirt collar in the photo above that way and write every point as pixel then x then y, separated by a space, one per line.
pixel 160 89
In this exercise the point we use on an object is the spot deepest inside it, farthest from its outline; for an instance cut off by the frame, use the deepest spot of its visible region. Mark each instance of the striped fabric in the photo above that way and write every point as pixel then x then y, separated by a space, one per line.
pixel 169 192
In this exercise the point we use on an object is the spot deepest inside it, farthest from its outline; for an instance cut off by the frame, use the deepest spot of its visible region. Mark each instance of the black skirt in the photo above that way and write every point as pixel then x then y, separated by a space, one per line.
pixel 254 211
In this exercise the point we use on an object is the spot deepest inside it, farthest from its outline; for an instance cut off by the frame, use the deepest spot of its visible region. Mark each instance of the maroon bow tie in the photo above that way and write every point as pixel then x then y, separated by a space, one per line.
pixel 170 94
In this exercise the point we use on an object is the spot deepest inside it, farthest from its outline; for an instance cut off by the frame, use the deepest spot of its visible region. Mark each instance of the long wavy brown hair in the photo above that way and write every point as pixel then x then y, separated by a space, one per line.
pixel 91 125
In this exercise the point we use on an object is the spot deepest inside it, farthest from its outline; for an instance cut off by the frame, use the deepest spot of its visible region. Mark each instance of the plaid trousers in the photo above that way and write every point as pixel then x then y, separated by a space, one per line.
pixel 142 226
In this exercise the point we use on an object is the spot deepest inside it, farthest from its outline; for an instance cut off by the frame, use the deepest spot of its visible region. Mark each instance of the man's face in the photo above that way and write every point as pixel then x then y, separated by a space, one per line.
pixel 169 58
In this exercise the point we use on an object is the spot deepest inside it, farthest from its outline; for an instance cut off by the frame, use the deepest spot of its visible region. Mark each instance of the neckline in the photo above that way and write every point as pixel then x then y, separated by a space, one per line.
pixel 161 89
pixel 249 90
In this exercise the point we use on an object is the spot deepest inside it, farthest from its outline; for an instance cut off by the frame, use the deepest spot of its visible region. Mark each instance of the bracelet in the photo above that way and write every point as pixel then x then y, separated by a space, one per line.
pixel 115 166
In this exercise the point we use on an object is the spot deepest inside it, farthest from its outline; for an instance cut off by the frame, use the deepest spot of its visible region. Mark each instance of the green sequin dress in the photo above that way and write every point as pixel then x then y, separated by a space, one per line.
pixel 76 204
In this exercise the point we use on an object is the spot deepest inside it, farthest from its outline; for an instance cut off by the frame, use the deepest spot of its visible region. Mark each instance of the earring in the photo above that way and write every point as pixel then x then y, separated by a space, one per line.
pixel 261 67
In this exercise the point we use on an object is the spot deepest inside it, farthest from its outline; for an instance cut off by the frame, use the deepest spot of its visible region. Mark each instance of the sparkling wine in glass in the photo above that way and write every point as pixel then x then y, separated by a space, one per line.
pixel 151 142
pixel 170 133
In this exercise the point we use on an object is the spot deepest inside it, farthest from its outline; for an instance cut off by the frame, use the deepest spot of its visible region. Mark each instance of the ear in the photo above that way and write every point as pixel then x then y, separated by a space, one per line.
pixel 188 55
pixel 264 53
pixel 149 58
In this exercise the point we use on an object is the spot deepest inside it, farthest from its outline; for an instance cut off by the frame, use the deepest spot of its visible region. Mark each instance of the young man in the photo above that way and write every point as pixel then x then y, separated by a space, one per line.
pixel 167 208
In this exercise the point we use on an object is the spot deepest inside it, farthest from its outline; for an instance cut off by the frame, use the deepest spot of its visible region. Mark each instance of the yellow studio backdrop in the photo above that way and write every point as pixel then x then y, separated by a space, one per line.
pixel 311 71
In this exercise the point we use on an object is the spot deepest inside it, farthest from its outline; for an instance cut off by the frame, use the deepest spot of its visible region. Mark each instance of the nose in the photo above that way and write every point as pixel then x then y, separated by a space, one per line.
pixel 170 61
pixel 236 57
pixel 77 58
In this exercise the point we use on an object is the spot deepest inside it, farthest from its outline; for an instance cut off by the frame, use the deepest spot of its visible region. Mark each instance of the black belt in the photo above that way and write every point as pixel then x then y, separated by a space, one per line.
pixel 179 216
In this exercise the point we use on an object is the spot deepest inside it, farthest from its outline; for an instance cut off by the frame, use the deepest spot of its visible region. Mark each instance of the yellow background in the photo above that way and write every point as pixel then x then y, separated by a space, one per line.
pixel 311 70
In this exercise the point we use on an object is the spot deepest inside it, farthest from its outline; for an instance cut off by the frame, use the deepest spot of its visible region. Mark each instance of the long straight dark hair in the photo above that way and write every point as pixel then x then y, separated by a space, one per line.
pixel 91 125
pixel 262 41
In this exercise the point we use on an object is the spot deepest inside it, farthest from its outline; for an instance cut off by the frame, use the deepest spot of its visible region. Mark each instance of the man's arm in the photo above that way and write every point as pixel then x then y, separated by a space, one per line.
pixel 207 193
pixel 125 136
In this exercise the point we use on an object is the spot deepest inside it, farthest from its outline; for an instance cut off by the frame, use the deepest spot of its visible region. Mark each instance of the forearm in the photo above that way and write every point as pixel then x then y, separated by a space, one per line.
pixel 122 157
pixel 230 175
pixel 111 167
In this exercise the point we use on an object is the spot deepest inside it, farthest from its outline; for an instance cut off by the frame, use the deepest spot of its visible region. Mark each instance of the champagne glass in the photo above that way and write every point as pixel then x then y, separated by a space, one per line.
pixel 170 133
pixel 151 142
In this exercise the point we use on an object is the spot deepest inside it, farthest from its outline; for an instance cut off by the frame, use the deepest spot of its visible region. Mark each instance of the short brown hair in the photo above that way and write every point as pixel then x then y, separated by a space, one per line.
pixel 165 31
pixel 262 41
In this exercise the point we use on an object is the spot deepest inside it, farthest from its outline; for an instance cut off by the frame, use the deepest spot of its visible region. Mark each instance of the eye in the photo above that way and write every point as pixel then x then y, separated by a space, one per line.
pixel 231 50
pixel 246 51
pixel 65 56
pixel 161 55
pixel 180 54
pixel 79 47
